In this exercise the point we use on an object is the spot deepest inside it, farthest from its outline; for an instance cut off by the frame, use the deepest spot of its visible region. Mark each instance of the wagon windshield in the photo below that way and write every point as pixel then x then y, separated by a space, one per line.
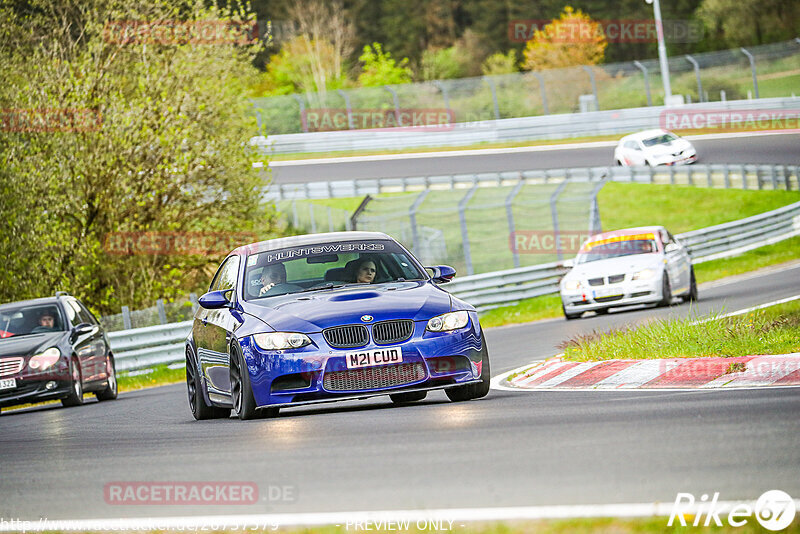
pixel 327 265
pixel 30 319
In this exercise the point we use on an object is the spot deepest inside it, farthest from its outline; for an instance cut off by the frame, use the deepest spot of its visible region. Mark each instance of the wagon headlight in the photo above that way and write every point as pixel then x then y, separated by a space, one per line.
pixel 572 285
pixel 44 360
pixel 281 340
pixel 644 274
pixel 448 321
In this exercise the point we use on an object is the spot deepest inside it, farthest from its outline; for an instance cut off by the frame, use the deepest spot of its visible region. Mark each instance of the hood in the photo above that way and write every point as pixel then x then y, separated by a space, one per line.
pixel 316 310
pixel 612 266
pixel 668 149
pixel 30 344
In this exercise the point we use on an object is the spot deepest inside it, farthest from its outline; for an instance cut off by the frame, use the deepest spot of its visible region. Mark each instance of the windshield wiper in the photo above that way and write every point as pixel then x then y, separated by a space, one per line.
pixel 329 285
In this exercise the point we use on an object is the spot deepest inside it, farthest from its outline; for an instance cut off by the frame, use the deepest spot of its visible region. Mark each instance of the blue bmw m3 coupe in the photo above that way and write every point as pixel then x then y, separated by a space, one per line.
pixel 326 317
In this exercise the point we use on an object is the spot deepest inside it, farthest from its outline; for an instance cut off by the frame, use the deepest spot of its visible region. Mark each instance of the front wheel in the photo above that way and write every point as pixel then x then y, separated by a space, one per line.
pixel 474 391
pixel 666 292
pixel 110 392
pixel 569 316
pixel 404 398
pixel 75 397
pixel 244 404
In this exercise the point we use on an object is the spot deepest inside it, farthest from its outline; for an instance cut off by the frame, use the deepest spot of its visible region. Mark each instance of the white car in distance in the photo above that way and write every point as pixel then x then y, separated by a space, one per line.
pixel 645 265
pixel 654 147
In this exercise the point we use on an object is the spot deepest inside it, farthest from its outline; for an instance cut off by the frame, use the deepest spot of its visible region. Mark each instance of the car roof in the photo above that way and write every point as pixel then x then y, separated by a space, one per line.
pixel 645 134
pixel 308 239
pixel 31 302
pixel 626 231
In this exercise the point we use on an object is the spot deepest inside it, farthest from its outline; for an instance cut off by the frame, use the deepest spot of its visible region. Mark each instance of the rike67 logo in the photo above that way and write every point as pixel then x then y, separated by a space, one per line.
pixel 774 510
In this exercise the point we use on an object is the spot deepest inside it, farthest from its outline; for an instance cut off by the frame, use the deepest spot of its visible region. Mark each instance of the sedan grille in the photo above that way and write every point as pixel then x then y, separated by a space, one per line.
pixel 342 337
pixel 11 366
pixel 615 279
pixel 382 376
pixel 392 331
pixel 595 281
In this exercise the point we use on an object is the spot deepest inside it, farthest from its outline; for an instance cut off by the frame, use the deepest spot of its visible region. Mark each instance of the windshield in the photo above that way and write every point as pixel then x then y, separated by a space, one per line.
pixel 30 319
pixel 617 247
pixel 324 266
pixel 659 140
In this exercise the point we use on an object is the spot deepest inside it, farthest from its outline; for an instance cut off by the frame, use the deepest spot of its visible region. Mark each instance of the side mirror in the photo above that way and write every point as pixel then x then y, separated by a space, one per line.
pixel 214 300
pixel 82 330
pixel 671 247
pixel 441 274
pixel 569 264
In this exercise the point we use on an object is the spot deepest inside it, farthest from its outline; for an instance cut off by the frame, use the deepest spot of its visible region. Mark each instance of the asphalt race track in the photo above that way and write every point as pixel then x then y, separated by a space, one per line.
pixel 509 449
pixel 777 149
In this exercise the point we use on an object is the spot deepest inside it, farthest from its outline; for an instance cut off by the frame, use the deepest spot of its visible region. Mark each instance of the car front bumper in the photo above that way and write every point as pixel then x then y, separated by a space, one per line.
pixel 626 293
pixel 319 373
pixel 30 390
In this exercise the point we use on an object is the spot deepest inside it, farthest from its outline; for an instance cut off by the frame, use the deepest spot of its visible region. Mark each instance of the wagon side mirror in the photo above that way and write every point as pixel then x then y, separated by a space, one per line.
pixel 441 274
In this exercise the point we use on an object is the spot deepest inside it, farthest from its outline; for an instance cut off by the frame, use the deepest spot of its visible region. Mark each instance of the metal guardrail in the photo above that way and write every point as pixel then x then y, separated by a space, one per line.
pixel 153 345
pixel 738 176
pixel 593 123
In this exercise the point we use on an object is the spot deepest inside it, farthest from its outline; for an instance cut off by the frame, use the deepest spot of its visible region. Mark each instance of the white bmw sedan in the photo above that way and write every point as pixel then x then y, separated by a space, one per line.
pixel 644 265
pixel 654 147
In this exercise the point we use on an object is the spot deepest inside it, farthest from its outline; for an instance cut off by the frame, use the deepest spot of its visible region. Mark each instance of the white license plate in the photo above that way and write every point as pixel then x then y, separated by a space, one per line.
pixel 8 383
pixel 367 358
pixel 606 292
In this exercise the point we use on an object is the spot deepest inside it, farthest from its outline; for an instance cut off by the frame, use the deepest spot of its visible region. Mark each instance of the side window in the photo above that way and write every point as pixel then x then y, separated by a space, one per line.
pixel 226 276
pixel 73 312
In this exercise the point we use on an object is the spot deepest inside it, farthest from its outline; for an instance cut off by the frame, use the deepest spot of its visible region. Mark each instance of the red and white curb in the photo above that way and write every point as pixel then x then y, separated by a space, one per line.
pixel 672 373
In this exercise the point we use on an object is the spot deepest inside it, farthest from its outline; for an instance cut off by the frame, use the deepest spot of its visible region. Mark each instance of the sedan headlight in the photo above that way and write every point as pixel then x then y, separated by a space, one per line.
pixel 281 340
pixel 644 274
pixel 572 285
pixel 44 360
pixel 448 321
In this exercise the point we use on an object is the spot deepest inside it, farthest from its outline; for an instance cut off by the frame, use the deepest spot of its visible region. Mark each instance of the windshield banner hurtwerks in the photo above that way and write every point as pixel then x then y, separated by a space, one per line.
pixel 315 250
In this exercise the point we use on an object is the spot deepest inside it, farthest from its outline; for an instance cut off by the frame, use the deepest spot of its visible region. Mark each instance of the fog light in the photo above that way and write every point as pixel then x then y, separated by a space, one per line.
pixel 50 385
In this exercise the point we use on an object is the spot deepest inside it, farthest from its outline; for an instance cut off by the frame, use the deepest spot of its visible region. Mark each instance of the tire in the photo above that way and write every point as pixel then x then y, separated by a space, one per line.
pixel 569 316
pixel 404 398
pixel 618 163
pixel 691 296
pixel 197 404
pixel 110 392
pixel 75 397
pixel 601 311
pixel 474 391
pixel 244 405
pixel 666 291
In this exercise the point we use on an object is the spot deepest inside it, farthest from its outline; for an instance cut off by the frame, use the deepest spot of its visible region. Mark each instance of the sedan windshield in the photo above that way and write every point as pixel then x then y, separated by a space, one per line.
pixel 615 249
pixel 659 140
pixel 326 266
pixel 31 319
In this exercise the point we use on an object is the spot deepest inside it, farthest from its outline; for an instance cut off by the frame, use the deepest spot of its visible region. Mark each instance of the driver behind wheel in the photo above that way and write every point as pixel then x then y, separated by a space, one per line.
pixel 272 275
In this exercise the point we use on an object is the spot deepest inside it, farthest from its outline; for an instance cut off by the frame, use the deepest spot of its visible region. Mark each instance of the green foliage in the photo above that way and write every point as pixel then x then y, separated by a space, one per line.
pixel 166 153
pixel 499 63
pixel 443 64
pixel 379 68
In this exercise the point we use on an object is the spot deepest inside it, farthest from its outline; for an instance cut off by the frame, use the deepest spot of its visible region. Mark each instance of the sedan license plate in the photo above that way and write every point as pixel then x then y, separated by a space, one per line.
pixel 606 292
pixel 371 357
pixel 8 383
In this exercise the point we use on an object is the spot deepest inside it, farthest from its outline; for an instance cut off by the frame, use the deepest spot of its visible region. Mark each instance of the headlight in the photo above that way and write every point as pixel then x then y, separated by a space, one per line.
pixel 572 285
pixel 281 340
pixel 45 360
pixel 644 274
pixel 448 321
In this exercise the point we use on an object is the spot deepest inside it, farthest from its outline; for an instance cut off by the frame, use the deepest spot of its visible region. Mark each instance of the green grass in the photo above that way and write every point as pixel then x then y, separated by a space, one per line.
pixel 774 330
pixel 160 376
pixel 777 87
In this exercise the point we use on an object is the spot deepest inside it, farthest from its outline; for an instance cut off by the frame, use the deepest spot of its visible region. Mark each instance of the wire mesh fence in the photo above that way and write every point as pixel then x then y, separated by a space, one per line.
pixel 164 312
pixel 705 77
pixel 488 228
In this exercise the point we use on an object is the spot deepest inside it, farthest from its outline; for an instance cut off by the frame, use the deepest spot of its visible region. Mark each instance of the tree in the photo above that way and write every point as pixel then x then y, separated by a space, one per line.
pixel 303 66
pixel 569 40
pixel 380 68
pixel 499 63
pixel 139 132
pixel 747 22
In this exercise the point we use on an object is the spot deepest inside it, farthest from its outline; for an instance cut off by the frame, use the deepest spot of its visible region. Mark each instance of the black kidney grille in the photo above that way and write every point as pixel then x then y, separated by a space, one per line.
pixel 615 279
pixel 342 337
pixel 392 331
pixel 596 281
